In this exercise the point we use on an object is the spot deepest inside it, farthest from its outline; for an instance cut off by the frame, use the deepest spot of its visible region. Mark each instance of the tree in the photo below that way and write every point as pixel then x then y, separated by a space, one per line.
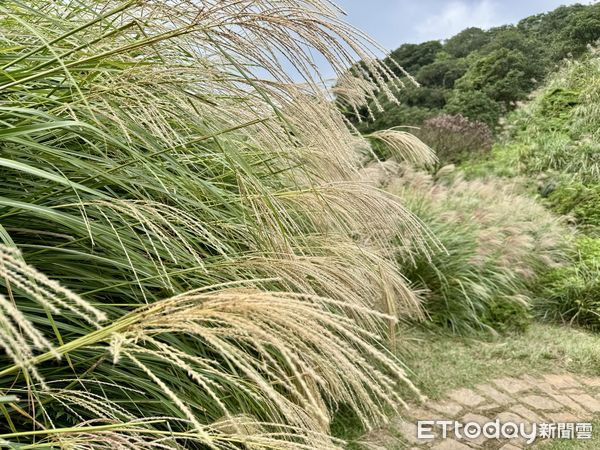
pixel 581 32
pixel 443 72
pixel 414 56
pixel 510 37
pixel 503 75
pixel 467 41
pixel 475 105
pixel 504 63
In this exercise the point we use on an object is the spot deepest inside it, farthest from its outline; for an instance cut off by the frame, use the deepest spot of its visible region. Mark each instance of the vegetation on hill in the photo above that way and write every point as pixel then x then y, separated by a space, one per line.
pixel 483 74
pixel 556 140
pixel 514 197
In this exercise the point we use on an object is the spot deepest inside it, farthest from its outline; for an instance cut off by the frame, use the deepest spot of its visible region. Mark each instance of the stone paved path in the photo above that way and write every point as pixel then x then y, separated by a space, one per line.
pixel 552 399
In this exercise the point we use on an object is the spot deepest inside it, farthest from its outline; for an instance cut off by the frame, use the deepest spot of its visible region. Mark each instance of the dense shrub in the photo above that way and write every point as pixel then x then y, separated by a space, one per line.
pixel 504 75
pixel 443 72
pixel 467 41
pixel 456 138
pixel 497 243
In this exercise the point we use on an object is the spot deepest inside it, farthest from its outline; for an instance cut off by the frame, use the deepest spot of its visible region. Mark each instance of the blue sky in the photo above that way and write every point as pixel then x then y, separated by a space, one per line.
pixel 394 22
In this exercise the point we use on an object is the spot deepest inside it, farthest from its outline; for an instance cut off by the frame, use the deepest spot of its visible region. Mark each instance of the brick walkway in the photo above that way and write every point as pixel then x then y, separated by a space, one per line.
pixel 560 398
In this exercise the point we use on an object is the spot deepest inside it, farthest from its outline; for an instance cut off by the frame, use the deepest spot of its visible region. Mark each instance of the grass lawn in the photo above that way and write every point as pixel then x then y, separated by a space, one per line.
pixel 441 363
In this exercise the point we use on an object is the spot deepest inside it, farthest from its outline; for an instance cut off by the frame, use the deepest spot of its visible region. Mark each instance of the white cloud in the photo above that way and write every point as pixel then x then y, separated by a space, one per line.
pixel 457 15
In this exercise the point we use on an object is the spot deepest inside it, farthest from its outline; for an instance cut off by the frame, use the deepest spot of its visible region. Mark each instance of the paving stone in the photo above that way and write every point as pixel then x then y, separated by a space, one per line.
pixel 552 398
pixel 568 402
pixel 573 391
pixel 587 401
pixel 450 409
pixel 494 394
pixel 512 385
pixel 466 397
pixel 562 381
pixel 507 416
pixel 590 381
pixel 422 414
pixel 450 444
pixel 477 442
pixel 541 403
pixel 526 413
pixel 547 388
pixel 519 442
pixel 408 431
pixel 468 418
pixel 488 407
pixel 562 417
pixel 477 418
pixel 530 379
pixel 381 439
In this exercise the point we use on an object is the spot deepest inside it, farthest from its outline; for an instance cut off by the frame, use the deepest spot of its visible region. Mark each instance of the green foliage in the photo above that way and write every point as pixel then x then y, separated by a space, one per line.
pixel 414 56
pixel 187 258
pixel 572 293
pixel 466 42
pixel 475 105
pixel 506 317
pixel 556 106
pixel 503 75
pixel 559 129
pixel 443 72
pixel 583 29
pixel 502 162
pixel 399 115
pixel 530 46
pixel 580 201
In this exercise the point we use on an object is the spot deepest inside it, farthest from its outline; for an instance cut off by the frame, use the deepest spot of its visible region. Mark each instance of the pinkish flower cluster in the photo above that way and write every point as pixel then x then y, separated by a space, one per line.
pixel 454 137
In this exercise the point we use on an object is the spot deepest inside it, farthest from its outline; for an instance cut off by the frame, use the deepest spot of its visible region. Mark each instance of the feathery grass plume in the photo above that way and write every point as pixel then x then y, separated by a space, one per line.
pixel 353 92
pixel 307 364
pixel 159 150
pixel 405 146
pixel 570 294
pixel 20 337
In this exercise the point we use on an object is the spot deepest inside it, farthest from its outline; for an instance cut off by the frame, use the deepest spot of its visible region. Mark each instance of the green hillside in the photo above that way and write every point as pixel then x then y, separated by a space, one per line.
pixel 483 74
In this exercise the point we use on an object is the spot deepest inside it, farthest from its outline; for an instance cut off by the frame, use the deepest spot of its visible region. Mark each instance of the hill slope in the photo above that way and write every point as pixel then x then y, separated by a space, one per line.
pixel 482 74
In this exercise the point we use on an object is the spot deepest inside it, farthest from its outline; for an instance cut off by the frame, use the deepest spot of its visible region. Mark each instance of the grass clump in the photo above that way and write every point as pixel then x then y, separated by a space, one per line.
pixel 497 242
pixel 580 201
pixel 571 294
pixel 189 256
